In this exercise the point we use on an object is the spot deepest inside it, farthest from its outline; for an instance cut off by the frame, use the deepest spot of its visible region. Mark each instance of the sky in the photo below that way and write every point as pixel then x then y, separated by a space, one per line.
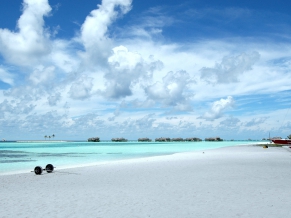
pixel 133 68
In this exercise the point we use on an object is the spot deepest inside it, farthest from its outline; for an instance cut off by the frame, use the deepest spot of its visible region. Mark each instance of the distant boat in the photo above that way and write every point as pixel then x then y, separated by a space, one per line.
pixel 282 141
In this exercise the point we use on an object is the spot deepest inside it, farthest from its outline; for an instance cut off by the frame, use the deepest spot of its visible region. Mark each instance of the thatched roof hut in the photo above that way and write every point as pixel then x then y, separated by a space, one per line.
pixel 119 140
pixel 177 140
pixel 162 139
pixel 144 140
pixel 94 139
pixel 215 139
pixel 194 139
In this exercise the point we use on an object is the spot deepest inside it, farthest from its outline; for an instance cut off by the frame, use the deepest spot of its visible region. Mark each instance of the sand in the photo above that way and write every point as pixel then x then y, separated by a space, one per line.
pixel 241 181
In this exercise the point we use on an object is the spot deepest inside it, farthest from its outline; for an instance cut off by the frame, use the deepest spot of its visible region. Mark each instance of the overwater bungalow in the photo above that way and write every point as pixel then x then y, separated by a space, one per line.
pixel 144 140
pixel 215 139
pixel 194 139
pixel 119 140
pixel 94 139
pixel 177 140
pixel 162 139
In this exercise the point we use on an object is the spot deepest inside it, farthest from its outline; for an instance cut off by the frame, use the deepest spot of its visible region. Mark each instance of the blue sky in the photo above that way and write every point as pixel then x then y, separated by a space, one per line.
pixel 122 68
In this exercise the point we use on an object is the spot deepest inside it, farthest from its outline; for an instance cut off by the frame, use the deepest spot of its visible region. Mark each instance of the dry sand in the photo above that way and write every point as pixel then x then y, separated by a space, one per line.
pixel 242 181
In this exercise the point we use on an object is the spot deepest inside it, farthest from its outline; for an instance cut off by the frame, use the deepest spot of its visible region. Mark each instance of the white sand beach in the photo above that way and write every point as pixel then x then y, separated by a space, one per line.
pixel 241 181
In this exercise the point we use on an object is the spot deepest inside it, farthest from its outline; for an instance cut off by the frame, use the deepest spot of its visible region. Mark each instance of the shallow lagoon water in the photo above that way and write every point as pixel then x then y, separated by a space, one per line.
pixel 24 156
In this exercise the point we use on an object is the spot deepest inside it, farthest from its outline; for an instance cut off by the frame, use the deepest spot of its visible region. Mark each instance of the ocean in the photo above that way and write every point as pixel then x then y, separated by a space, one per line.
pixel 18 157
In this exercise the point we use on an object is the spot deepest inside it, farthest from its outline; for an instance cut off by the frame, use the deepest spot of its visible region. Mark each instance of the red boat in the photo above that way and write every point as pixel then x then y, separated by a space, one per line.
pixel 282 141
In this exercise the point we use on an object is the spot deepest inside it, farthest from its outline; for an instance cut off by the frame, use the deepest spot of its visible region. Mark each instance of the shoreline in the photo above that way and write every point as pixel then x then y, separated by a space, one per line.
pixel 235 181
pixel 133 160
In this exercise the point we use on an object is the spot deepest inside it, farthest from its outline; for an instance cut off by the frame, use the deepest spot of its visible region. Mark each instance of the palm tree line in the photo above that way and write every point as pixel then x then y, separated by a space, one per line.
pixel 52 136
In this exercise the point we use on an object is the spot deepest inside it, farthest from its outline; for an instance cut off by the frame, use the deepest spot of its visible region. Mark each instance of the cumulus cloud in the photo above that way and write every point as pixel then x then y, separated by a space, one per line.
pixel 30 42
pixel 145 122
pixel 230 122
pixel 81 89
pixel 172 91
pixel 54 99
pixel 64 56
pixel 50 120
pixel 15 108
pixel 122 59
pixel 217 108
pixel 42 75
pixel 230 68
pixel 94 34
pixel 135 125
pixel 35 87
pixel 126 69
pixel 88 121
pixel 255 121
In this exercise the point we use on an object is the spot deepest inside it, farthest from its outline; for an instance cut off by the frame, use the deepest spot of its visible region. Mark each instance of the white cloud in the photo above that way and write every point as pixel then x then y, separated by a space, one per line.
pixel 6 77
pixel 30 43
pixel 94 34
pixel 63 55
pixel 42 75
pixel 149 25
pixel 122 59
pixel 139 124
pixel 230 122
pixel 230 68
pixel 16 108
pixel 255 121
pixel 172 91
pixel 81 89
pixel 54 99
pixel 218 107
pixel 127 69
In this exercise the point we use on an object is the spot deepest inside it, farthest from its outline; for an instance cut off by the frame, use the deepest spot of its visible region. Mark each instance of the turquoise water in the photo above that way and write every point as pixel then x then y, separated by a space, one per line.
pixel 21 156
